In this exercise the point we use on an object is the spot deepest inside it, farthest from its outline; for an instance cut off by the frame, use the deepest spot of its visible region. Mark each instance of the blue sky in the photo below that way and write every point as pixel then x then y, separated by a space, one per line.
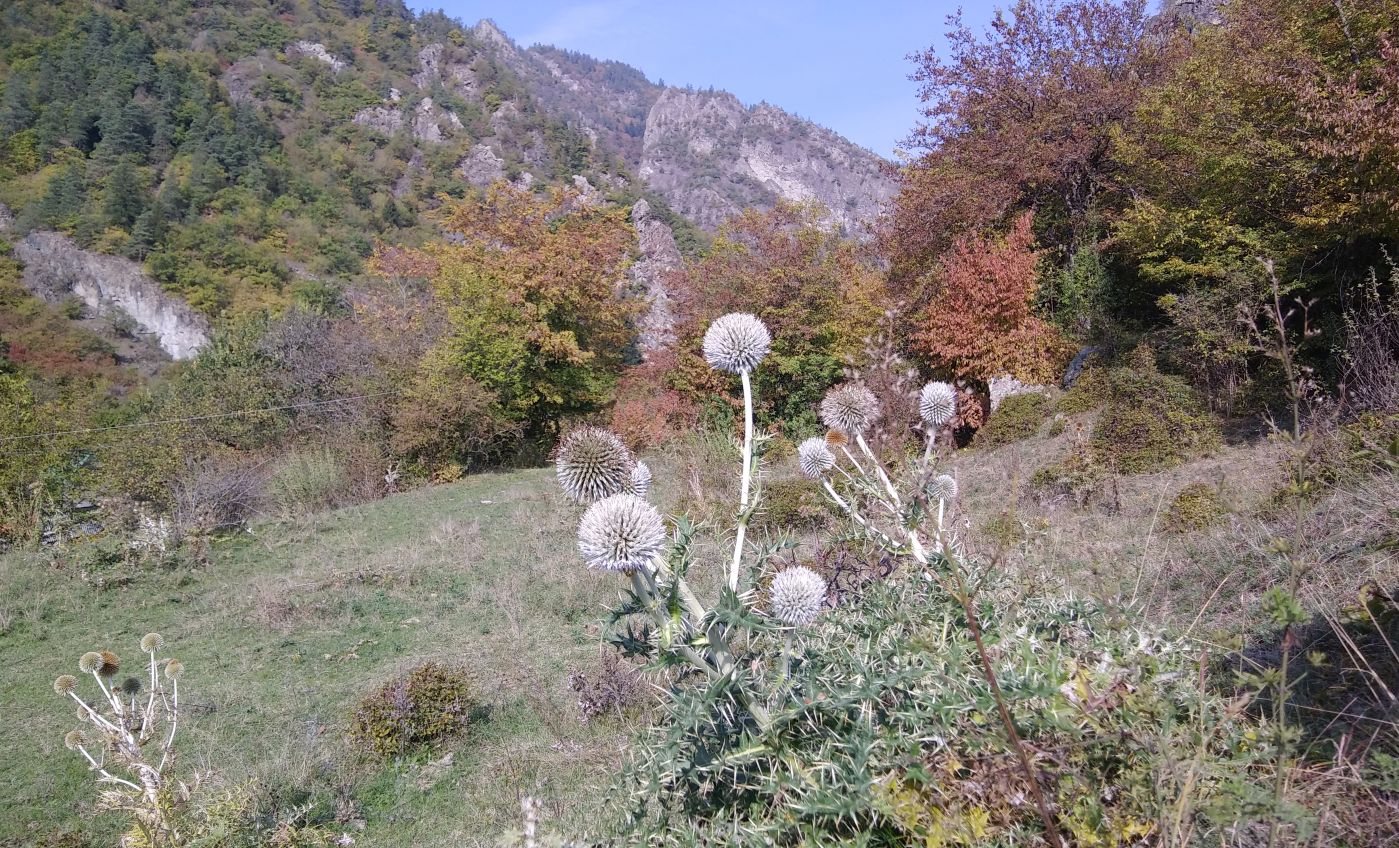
pixel 840 64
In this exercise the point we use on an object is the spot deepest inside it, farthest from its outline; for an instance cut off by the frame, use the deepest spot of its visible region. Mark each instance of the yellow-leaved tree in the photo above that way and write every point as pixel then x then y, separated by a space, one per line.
pixel 538 316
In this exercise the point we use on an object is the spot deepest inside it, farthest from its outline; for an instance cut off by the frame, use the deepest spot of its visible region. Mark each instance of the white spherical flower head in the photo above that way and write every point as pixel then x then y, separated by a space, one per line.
pixel 797 595
pixel 814 458
pixel 592 464
pixel 620 533
pixel 639 483
pixel 943 488
pixel 736 343
pixel 852 409
pixel 937 403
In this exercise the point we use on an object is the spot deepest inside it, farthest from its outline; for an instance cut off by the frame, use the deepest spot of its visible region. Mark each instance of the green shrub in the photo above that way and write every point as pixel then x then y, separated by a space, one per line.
pixel 1003 529
pixel 1018 417
pixel 425 706
pixel 887 735
pixel 1197 506
pixel 307 481
pixel 796 503
pixel 1151 421
pixel 1088 393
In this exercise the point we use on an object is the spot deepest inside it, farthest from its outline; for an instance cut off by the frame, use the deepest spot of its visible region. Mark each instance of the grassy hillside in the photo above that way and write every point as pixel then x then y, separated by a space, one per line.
pixel 290 624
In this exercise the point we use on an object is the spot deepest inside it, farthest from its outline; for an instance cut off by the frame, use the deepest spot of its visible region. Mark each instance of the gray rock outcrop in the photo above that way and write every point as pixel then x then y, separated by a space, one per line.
pixel 481 166
pixel 659 258
pixel 55 267
pixel 711 157
pixel 318 52
pixel 1006 386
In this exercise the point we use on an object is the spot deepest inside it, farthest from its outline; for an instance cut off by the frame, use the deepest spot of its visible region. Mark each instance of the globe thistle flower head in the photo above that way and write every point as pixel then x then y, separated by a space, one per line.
pixel 639 482
pixel 836 439
pixel 65 683
pixel 942 488
pixel 850 408
pixel 797 595
pixel 737 342
pixel 620 533
pixel 110 664
pixel 593 463
pixel 74 740
pixel 814 458
pixel 937 403
pixel 90 662
pixel 130 686
pixel 152 642
pixel 173 669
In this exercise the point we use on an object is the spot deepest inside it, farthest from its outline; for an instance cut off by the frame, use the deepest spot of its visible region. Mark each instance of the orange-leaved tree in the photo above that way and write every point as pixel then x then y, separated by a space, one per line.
pixel 818 292
pixel 980 322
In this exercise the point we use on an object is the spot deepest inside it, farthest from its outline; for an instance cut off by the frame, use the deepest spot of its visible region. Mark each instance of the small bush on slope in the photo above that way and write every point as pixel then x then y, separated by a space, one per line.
pixel 428 704
pixel 1018 417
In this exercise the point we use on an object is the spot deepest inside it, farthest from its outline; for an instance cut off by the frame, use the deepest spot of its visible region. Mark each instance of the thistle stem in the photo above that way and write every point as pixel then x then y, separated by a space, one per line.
pixel 878 468
pixel 745 479
pixel 849 509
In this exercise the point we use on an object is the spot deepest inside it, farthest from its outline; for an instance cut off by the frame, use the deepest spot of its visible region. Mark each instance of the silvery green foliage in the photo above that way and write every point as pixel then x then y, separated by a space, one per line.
pixel 942 488
pixel 620 532
pixel 639 481
pixel 814 458
pixel 593 463
pixel 937 404
pixel 797 595
pixel 886 702
pixel 850 408
pixel 737 342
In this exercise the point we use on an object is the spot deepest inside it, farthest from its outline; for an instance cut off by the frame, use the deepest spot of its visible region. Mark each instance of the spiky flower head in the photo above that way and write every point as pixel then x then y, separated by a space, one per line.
pixel 152 642
pixel 937 403
pixel 836 439
pixel 620 533
pixel 942 488
pixel 65 683
pixel 131 686
pixel 639 483
pixel 74 740
pixel 110 664
pixel 90 662
pixel 797 595
pixel 173 670
pixel 592 464
pixel 850 408
pixel 736 343
pixel 814 458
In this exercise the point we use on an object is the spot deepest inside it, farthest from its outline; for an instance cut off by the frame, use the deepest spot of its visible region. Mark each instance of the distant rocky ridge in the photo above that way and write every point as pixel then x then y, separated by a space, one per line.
pixel 705 153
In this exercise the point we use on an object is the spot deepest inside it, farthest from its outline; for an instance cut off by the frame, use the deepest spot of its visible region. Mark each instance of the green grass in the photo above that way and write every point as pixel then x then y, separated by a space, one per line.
pixel 290 624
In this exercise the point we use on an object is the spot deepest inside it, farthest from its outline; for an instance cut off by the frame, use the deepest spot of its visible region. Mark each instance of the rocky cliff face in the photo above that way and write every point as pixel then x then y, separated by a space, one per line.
pixel 54 268
pixel 659 257
pixel 704 152
pixel 711 157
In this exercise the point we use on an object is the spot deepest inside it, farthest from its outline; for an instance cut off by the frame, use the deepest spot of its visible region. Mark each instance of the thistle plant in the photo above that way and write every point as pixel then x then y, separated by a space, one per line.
pixel 789 720
pixel 594 463
pixel 127 737
pixel 621 532
pixel 874 504
pixel 736 343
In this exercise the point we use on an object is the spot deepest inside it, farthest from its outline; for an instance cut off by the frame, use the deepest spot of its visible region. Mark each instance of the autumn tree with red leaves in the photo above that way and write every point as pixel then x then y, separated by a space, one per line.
pixel 979 323
pixel 1020 117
